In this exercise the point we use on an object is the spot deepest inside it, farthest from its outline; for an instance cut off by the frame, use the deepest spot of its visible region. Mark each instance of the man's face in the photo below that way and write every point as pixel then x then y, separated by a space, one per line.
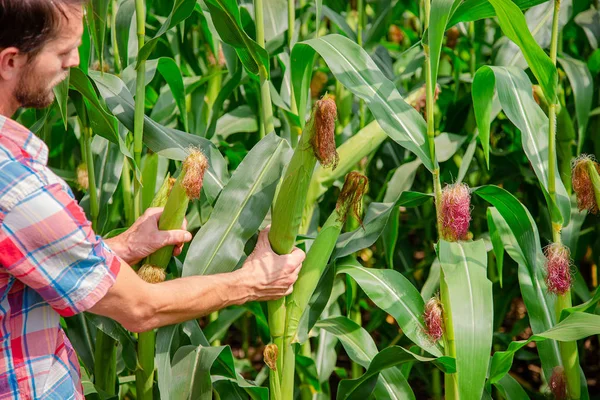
pixel 51 65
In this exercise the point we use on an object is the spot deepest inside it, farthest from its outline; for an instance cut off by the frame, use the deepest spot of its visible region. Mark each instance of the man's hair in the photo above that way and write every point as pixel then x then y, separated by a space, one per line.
pixel 29 24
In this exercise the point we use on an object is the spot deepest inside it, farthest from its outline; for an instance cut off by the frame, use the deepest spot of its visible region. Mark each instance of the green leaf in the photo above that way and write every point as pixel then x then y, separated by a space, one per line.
pixel 275 18
pixel 353 67
pixel 239 211
pixel 340 21
pixel 387 358
pixel 589 21
pixel 464 266
pixel 101 121
pixel 164 341
pixel 361 348
pixel 374 222
pixel 497 244
pixel 516 98
pixel 172 74
pixel 576 326
pixel 167 142
pixel 441 10
pixel 225 15
pixel 125 27
pixel 522 243
pixel 510 388
pixel 190 377
pixel 539 23
pixel 582 85
pixel 181 10
pixel 118 333
pixel 218 328
pixel 242 119
pixel 97 12
pixel 474 10
pixel 394 294
pixel 513 24
pixel 61 92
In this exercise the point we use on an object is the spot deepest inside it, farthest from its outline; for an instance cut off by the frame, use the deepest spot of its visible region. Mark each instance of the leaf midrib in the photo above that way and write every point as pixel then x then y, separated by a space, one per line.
pixel 243 205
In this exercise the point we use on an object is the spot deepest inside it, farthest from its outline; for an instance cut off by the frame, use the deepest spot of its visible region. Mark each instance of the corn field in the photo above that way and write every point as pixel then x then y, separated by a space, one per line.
pixel 434 158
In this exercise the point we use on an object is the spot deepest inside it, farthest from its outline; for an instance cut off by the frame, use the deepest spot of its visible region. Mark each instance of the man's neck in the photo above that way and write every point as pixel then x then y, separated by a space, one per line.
pixel 8 110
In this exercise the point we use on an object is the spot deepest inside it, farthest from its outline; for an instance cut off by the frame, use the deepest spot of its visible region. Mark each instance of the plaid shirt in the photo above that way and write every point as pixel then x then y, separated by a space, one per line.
pixel 51 265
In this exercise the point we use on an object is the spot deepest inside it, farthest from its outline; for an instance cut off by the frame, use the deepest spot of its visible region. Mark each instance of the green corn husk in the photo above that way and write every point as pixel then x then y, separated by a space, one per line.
pixel 349 203
pixel 175 197
pixel 316 142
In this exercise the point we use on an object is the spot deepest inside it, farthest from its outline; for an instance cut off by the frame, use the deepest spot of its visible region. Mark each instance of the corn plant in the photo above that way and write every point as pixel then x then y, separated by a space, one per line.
pixel 467 270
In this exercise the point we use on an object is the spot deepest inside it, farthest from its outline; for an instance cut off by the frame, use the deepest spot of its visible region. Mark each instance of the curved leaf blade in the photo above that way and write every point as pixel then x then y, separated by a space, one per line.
pixel 516 98
pixel 464 266
pixel 353 67
pixel 393 293
pixel 239 211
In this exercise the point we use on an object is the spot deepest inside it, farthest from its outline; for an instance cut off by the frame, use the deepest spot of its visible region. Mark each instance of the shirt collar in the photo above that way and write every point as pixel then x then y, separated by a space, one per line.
pixel 25 139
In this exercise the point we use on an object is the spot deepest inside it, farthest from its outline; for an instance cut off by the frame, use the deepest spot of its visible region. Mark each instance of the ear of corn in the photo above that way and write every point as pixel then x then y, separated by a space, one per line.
pixel 316 142
pixel 349 203
pixel 175 197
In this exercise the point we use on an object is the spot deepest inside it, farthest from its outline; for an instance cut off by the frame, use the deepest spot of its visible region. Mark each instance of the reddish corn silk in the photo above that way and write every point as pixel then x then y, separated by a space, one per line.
pixel 323 139
pixel 558 384
pixel 558 268
pixel 582 183
pixel 455 212
pixel 194 166
pixel 350 198
pixel 434 319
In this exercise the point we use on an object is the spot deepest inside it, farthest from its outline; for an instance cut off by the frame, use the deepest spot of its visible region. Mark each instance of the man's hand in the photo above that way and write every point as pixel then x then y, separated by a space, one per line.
pixel 144 238
pixel 270 276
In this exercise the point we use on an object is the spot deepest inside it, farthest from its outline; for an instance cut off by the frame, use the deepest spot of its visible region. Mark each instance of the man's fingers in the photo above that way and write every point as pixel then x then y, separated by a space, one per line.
pixel 184 225
pixel 297 256
pixel 175 237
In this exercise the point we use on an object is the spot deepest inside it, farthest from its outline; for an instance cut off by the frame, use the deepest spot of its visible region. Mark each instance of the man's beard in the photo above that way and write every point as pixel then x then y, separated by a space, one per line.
pixel 31 94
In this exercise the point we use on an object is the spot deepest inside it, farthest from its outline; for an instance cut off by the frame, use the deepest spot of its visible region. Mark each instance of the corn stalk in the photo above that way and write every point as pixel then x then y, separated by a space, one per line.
pixel 451 385
pixel 315 142
pixel 266 109
pixel 568 350
pixel 349 202
pixel 175 198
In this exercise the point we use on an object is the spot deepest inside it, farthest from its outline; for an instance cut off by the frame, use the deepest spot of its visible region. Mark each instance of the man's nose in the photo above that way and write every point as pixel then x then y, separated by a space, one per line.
pixel 73 60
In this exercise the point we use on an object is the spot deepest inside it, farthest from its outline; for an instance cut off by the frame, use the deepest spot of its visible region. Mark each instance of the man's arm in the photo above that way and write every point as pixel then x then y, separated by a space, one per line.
pixel 140 306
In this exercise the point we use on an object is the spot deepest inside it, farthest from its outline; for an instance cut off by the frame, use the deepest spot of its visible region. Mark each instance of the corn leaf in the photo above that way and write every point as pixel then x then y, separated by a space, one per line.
pixel 474 10
pixel 125 26
pixel 167 142
pixel 539 23
pixel 353 67
pixel 441 10
pixel 470 292
pixel 97 13
pixel 181 10
pixel 575 327
pixel 394 293
pixel 522 243
pixel 226 18
pixel 513 24
pixel 582 84
pixel 589 21
pixel 239 211
pixel 514 92
pixel 61 93
pixel 497 244
pixel 362 350
pixel 511 389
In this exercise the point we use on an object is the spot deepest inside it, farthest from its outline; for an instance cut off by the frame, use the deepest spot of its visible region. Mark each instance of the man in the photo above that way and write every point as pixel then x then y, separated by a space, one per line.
pixel 51 263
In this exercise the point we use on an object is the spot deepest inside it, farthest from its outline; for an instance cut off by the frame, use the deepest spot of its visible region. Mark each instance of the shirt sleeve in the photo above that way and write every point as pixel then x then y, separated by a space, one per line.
pixel 47 243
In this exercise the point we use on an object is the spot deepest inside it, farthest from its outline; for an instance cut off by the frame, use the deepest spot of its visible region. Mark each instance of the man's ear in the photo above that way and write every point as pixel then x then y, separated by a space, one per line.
pixel 11 63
